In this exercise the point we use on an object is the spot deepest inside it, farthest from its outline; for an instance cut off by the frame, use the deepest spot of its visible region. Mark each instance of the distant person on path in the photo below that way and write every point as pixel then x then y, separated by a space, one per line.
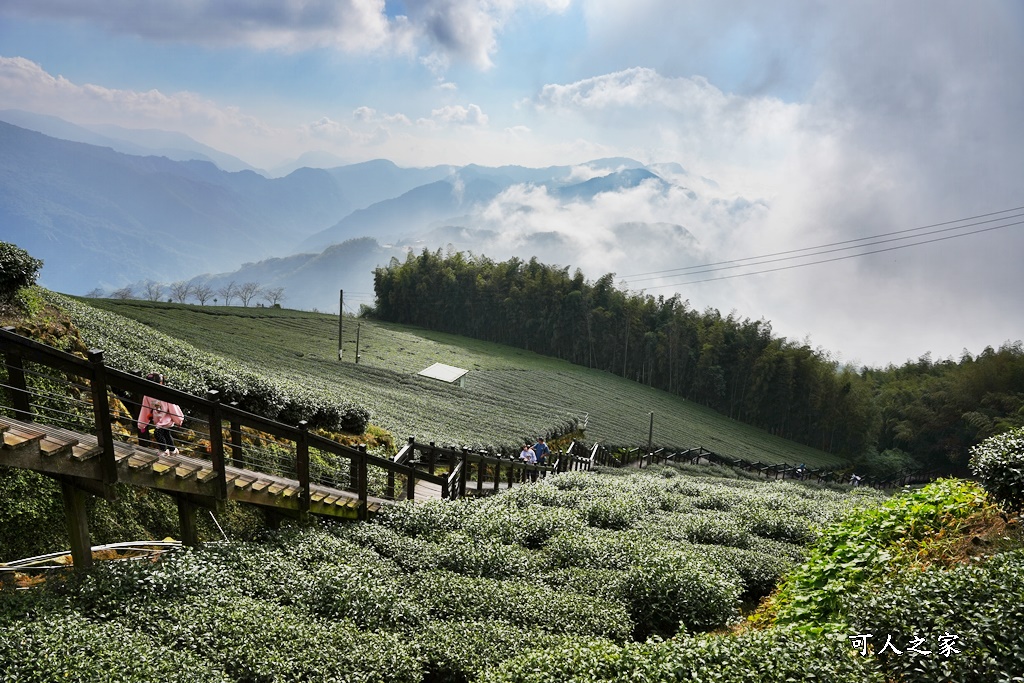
pixel 528 457
pixel 163 415
pixel 541 450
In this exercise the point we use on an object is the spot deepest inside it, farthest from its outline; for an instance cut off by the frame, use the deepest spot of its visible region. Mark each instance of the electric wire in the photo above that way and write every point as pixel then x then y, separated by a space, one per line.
pixel 831 260
pixel 850 241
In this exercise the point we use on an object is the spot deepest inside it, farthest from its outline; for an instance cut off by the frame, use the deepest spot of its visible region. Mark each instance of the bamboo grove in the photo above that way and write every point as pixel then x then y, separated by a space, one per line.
pixel 735 365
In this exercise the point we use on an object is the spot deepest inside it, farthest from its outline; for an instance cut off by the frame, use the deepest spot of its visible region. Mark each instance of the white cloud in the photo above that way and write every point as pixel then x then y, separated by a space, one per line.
pixel 26 84
pixel 351 25
pixel 368 114
pixel 456 115
pixel 441 30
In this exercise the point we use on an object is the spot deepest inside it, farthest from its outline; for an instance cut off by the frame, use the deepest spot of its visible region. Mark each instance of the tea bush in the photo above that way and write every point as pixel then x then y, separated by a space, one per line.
pixel 68 647
pixel 679 589
pixel 525 604
pixel 975 608
pixel 256 389
pixel 17 269
pixel 999 462
pixel 775 656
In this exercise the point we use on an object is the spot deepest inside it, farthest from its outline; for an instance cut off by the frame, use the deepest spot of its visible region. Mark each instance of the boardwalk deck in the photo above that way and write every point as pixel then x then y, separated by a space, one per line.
pixel 62 453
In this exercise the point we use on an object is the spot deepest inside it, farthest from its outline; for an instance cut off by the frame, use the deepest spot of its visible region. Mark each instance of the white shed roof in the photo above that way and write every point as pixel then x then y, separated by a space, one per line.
pixel 445 373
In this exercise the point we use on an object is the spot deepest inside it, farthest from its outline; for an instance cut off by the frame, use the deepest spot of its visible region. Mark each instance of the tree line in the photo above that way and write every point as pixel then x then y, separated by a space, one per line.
pixel 933 411
pixel 200 292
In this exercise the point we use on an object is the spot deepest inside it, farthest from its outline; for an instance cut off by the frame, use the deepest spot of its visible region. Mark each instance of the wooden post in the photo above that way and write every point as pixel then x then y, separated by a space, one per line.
pixel 431 459
pixel 341 317
pixel 410 481
pixel 101 412
pixel 465 472
pixel 302 466
pixel 187 522
pixel 363 512
pixel 217 445
pixel 77 524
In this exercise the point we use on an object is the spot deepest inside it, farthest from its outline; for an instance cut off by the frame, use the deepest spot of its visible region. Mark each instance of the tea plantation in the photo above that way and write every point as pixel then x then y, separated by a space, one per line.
pixel 509 393
pixel 609 576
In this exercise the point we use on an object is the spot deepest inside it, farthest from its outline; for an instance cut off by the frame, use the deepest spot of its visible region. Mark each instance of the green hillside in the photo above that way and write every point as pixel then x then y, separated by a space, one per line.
pixel 509 393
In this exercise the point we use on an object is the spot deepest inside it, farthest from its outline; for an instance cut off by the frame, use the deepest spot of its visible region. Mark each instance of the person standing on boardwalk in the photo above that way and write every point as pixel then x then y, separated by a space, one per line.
pixel 542 451
pixel 530 458
pixel 163 415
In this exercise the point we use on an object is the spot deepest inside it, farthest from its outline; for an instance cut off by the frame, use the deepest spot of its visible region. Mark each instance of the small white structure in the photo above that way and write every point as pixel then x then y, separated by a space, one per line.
pixel 445 373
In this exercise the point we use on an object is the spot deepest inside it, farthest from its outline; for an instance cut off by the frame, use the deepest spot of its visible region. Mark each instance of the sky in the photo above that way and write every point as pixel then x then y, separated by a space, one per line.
pixel 798 122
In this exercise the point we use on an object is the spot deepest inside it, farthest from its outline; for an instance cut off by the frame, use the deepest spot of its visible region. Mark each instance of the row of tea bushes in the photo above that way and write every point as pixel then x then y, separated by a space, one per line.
pixel 436 591
pixel 256 389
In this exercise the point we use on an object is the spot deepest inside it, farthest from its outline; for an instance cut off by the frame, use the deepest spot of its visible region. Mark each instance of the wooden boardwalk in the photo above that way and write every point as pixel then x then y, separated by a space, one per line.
pixel 296 485
pixel 63 453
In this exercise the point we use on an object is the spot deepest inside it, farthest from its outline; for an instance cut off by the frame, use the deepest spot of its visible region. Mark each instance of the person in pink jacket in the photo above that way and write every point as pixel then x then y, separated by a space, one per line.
pixel 163 415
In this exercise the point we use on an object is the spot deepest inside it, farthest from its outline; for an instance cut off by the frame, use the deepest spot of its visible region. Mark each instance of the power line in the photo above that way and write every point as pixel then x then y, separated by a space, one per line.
pixel 835 244
pixel 837 258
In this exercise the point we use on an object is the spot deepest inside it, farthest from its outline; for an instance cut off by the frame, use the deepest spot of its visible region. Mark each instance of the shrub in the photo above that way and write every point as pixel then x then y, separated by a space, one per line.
pixel 979 604
pixel 525 604
pixel 676 589
pixel 869 543
pixel 64 646
pixel 17 269
pixel 775 656
pixel 999 462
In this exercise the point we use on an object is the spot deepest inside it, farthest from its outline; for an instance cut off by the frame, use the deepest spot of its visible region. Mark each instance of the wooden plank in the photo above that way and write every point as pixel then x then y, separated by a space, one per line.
pixel 82 452
pixel 162 467
pixel 138 461
pixel 185 470
pixel 260 484
pixel 205 474
pixel 290 491
pixel 242 482
pixel 317 496
pixel 275 489
pixel 16 437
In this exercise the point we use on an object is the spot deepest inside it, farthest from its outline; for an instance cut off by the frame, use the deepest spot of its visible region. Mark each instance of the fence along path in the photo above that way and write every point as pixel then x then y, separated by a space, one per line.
pixel 60 420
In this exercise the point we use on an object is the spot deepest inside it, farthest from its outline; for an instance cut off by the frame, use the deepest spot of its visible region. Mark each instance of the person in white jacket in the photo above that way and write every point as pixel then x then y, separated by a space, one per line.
pixel 163 415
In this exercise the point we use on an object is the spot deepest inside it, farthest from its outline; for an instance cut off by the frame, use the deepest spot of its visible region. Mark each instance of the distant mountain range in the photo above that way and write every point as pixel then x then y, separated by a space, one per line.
pixel 105 207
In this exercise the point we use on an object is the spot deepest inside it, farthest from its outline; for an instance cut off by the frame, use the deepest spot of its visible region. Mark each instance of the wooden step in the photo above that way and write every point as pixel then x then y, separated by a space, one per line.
pixel 185 470
pixel 275 489
pixel 16 437
pixel 260 485
pixel 162 467
pixel 205 474
pixel 138 461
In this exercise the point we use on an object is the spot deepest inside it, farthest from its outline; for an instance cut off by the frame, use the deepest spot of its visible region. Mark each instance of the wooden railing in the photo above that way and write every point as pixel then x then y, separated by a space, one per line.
pixel 209 418
pixel 640 457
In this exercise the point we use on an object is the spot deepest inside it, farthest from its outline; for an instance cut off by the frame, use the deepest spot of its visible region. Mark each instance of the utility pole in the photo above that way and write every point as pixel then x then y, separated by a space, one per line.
pixel 341 316
pixel 358 326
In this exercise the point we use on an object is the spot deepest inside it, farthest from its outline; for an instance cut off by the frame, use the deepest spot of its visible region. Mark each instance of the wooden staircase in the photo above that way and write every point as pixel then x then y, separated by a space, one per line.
pixel 70 455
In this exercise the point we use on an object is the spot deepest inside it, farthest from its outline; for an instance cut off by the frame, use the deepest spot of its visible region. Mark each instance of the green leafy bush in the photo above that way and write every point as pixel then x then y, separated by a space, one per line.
pixel 64 646
pixel 868 543
pixel 978 604
pixel 676 589
pixel 775 656
pixel 17 269
pixel 999 462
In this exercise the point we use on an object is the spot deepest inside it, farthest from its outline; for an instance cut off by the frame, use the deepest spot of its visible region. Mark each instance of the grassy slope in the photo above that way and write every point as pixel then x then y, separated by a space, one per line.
pixel 509 392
